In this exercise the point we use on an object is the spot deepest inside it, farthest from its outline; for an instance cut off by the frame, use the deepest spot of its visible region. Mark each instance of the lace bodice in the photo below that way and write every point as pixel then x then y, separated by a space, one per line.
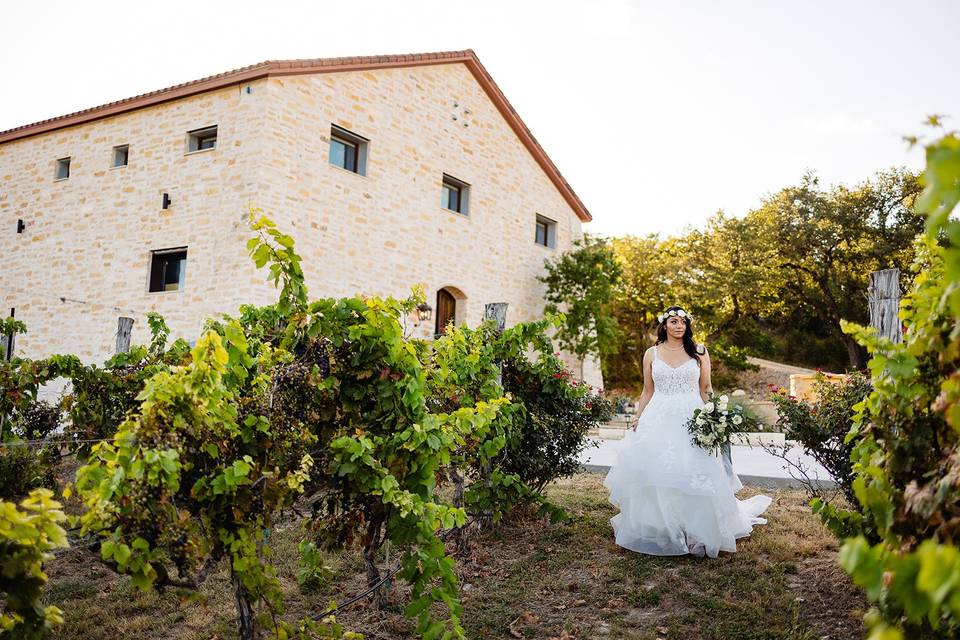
pixel 675 380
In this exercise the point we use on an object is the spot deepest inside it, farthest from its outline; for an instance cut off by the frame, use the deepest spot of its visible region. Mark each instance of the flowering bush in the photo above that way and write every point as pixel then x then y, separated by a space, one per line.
pixel 821 426
pixel 558 413
pixel 712 424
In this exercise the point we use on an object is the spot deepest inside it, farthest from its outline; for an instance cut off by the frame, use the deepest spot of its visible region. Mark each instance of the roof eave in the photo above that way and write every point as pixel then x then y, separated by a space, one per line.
pixel 334 65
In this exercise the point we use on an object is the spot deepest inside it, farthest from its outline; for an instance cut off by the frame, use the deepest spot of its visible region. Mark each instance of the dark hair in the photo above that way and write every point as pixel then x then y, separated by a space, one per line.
pixel 688 344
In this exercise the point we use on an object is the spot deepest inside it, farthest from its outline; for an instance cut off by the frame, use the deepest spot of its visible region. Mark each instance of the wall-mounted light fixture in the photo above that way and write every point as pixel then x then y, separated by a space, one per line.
pixel 20 226
pixel 166 201
pixel 422 313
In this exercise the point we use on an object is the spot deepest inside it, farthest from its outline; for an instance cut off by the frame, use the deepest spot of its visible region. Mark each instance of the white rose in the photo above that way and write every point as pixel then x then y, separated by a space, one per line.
pixel 724 399
pixel 708 407
pixel 737 419
pixel 723 419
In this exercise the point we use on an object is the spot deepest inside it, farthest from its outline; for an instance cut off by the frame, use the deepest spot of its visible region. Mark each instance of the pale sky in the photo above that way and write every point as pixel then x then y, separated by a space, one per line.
pixel 658 113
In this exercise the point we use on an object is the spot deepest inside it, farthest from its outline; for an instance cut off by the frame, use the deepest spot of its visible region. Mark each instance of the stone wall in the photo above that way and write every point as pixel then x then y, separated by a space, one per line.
pixel 88 238
pixel 385 231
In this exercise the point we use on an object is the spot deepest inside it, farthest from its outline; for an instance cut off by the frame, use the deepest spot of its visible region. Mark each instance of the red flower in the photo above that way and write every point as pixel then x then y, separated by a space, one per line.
pixel 588 406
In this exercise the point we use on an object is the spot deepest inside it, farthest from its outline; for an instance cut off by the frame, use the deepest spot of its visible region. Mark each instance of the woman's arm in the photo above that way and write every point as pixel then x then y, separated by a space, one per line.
pixel 706 387
pixel 647 385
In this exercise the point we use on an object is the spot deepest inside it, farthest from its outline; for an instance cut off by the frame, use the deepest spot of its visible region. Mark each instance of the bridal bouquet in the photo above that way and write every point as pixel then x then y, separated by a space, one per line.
pixel 712 424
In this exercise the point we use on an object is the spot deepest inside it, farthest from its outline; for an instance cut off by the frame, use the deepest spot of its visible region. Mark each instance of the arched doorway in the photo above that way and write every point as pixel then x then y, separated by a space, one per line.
pixel 446 310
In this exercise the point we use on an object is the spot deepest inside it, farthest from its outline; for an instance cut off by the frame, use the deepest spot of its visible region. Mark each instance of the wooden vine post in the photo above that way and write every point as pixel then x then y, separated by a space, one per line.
pixel 883 296
pixel 124 327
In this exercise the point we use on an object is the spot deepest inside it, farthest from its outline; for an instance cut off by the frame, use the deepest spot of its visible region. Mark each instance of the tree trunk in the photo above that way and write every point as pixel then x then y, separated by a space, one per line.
pixel 856 353
pixel 371 544
pixel 485 521
pixel 246 620
pixel 460 533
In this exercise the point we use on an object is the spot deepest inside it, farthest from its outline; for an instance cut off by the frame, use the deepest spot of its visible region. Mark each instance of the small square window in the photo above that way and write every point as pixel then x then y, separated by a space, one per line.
pixel 455 195
pixel 348 150
pixel 546 233
pixel 168 268
pixel 63 169
pixel 202 139
pixel 121 155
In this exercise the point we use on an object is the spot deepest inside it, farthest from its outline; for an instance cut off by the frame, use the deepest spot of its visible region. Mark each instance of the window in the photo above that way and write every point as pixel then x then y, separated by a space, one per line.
pixel 168 269
pixel 348 150
pixel 202 139
pixel 456 195
pixel 63 169
pixel 546 234
pixel 121 155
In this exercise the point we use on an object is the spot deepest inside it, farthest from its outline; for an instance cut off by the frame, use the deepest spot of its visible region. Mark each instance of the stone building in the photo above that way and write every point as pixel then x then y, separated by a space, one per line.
pixel 388 171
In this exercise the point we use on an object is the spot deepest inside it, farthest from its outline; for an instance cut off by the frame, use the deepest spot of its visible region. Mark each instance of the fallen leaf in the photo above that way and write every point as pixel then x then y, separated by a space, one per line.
pixel 528 618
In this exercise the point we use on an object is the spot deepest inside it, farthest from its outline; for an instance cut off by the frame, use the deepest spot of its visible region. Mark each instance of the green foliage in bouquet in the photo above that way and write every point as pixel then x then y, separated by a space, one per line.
pixel 712 425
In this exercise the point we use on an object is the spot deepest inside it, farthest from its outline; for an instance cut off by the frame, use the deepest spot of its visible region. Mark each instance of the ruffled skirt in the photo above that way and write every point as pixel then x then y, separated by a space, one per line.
pixel 676 498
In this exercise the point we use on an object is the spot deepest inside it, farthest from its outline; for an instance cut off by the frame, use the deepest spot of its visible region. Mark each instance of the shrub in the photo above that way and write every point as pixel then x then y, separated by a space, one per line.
pixel 538 434
pixel 907 436
pixel 558 413
pixel 27 535
pixel 821 426
pixel 24 468
pixel 36 421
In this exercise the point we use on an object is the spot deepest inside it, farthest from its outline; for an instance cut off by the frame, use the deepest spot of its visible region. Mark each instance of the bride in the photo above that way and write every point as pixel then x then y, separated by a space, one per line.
pixel 676 498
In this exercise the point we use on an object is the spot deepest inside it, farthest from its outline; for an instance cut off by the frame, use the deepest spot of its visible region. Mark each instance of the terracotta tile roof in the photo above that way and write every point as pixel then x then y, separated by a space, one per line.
pixel 318 65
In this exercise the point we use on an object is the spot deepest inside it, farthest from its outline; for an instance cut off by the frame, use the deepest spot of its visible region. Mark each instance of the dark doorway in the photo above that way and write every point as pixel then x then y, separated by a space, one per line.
pixel 446 310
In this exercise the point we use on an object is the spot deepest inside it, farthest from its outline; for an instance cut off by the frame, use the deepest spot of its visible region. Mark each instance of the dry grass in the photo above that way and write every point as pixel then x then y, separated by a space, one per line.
pixel 529 579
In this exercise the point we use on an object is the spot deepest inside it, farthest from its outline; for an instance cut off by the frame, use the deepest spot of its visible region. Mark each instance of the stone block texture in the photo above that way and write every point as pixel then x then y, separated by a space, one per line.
pixel 83 259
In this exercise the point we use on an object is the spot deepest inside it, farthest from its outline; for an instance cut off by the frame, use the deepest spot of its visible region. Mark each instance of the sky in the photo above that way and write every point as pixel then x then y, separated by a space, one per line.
pixel 657 113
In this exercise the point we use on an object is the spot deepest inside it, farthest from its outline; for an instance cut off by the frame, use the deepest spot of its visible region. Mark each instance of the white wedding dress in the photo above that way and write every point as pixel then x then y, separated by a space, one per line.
pixel 676 498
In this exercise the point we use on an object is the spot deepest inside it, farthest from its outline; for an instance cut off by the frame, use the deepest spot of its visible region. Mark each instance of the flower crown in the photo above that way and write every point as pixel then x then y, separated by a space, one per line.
pixel 679 313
